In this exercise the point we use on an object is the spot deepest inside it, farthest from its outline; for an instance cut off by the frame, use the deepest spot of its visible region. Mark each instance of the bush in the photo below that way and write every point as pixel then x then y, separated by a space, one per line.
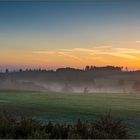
pixel 28 128
pixel 108 128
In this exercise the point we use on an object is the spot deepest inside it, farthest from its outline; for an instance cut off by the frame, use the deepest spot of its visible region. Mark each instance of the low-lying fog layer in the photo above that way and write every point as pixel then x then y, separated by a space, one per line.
pixel 98 85
pixel 75 81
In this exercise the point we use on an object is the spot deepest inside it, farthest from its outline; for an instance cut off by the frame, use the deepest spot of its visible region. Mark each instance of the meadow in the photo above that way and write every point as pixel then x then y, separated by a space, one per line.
pixel 68 107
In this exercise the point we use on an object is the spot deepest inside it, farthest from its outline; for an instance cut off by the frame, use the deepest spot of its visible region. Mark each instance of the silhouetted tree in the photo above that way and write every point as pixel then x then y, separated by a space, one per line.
pixel 91 68
pixel 20 70
pixel 87 68
pixel 7 70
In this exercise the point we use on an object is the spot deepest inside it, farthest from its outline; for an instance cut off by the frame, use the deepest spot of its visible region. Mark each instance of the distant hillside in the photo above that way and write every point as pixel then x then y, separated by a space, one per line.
pixel 91 79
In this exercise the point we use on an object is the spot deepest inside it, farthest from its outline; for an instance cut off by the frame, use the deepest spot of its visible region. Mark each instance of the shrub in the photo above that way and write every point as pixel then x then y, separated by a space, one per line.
pixel 109 128
pixel 28 128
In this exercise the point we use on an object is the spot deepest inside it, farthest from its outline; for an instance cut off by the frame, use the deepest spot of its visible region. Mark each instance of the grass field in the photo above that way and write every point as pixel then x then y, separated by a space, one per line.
pixel 68 107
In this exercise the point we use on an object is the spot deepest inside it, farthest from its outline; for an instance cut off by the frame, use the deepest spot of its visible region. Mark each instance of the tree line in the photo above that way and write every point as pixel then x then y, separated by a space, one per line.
pixel 87 68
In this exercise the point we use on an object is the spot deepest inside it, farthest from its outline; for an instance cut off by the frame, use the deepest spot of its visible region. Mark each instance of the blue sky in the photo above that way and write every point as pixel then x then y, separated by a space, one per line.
pixel 62 17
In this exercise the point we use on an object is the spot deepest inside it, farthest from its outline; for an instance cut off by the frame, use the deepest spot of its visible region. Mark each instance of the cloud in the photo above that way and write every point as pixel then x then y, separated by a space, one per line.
pixel 138 41
pixel 124 56
pixel 128 50
pixel 43 52
pixel 82 54
pixel 71 56
pixel 58 53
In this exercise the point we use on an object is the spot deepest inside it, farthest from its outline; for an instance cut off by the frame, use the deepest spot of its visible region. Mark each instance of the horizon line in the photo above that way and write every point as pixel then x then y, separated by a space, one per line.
pixel 12 68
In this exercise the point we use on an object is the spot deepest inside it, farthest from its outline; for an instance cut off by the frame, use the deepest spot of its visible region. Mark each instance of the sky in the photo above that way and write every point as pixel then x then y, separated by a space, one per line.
pixel 69 33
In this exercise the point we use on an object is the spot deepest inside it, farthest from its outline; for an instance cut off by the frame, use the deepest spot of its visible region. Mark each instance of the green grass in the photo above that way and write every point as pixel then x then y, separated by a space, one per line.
pixel 68 107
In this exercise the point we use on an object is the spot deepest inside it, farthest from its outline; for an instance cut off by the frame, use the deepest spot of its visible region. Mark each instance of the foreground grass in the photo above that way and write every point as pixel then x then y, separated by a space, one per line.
pixel 28 128
pixel 68 107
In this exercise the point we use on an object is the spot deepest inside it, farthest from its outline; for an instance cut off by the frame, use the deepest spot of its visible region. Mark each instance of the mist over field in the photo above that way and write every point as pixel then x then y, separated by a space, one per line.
pixel 107 79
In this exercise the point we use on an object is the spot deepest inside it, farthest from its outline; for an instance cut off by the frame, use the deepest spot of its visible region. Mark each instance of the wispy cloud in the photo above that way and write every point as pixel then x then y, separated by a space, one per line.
pixel 81 54
pixel 60 52
pixel 138 41
pixel 43 52
pixel 69 55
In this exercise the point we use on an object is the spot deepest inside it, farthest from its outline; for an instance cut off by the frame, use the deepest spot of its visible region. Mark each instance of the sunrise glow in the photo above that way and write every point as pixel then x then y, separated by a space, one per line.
pixel 71 34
